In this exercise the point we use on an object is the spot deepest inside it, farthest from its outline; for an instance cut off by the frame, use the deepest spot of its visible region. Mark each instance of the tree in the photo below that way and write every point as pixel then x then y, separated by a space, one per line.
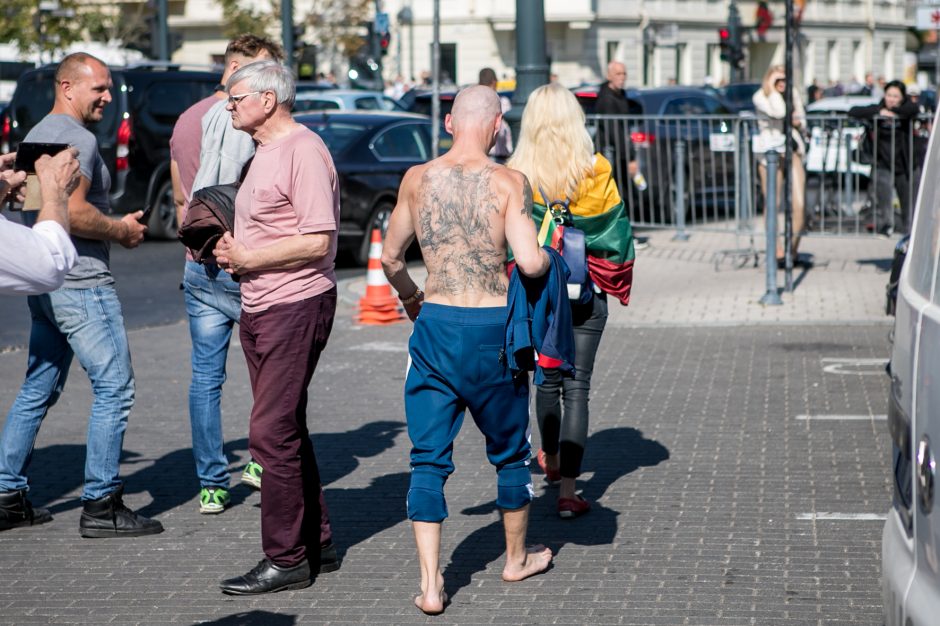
pixel 239 19
pixel 335 24
pixel 22 23
pixel 131 24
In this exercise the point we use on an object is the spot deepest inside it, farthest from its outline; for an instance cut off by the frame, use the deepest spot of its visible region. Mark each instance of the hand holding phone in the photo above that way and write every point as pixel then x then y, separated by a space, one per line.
pixel 28 152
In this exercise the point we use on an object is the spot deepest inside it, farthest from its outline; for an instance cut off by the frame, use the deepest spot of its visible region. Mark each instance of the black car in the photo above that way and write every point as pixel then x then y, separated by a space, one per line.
pixel 371 151
pixel 134 135
pixel 661 120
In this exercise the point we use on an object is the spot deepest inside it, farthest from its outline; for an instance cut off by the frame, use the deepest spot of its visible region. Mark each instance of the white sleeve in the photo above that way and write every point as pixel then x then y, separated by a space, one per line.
pixel 34 260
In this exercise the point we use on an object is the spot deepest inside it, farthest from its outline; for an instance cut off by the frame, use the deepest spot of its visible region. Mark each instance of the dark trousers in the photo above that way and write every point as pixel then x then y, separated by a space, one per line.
pixel 282 346
pixel 886 183
pixel 568 433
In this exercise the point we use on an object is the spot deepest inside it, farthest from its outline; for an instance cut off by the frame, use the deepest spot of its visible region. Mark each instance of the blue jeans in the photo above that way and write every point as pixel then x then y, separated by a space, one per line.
pixel 86 323
pixel 213 304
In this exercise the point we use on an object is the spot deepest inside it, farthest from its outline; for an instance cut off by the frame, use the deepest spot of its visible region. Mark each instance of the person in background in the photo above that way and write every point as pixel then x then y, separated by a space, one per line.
pixel 891 143
pixel 213 300
pixel 556 153
pixel 502 149
pixel 771 110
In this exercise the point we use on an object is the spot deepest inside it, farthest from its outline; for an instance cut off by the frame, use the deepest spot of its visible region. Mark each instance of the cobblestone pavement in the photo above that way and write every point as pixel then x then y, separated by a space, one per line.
pixel 720 496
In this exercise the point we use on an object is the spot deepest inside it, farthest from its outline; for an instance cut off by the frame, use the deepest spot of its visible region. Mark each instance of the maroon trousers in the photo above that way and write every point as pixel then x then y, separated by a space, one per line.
pixel 282 346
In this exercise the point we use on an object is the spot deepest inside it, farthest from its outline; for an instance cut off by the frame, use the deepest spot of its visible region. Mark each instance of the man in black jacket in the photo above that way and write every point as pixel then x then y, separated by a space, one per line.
pixel 612 136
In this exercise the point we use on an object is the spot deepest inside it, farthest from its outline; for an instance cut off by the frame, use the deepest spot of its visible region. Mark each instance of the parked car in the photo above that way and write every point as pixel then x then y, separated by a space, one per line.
pixel 910 551
pixel 665 116
pixel 345 100
pixel 134 135
pixel 419 100
pixel 739 96
pixel 372 151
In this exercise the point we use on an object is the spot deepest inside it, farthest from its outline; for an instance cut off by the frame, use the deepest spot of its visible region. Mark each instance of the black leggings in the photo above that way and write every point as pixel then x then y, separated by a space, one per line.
pixel 570 434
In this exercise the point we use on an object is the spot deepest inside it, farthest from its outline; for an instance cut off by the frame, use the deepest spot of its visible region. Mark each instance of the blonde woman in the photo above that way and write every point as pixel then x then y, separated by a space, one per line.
pixel 771 110
pixel 556 154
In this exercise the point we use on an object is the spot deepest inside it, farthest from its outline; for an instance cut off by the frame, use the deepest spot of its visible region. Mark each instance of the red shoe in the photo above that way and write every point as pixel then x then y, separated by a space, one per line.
pixel 569 508
pixel 552 476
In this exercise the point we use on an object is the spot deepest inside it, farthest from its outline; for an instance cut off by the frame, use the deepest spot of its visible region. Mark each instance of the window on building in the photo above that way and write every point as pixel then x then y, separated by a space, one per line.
pixel 833 73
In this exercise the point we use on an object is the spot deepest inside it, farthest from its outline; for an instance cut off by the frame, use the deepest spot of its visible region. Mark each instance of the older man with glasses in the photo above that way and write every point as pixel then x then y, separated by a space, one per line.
pixel 283 250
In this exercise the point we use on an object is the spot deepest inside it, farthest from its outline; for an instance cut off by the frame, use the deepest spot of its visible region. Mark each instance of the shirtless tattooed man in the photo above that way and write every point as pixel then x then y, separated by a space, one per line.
pixel 464 209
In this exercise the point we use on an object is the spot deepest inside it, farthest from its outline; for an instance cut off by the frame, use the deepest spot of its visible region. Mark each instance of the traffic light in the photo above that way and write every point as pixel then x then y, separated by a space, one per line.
pixel 724 40
pixel 385 40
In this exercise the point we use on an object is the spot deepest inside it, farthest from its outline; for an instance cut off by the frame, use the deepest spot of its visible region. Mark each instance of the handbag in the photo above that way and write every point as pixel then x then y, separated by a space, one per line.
pixel 570 243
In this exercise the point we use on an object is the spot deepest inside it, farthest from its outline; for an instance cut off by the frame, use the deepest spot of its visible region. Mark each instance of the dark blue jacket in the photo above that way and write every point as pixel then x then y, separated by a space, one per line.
pixel 539 321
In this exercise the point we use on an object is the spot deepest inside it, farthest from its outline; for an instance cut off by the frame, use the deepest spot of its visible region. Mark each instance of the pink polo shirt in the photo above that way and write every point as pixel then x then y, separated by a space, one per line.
pixel 291 189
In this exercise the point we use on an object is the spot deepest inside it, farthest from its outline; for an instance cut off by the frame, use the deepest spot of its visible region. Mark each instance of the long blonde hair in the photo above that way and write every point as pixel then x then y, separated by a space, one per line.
pixel 773 73
pixel 554 151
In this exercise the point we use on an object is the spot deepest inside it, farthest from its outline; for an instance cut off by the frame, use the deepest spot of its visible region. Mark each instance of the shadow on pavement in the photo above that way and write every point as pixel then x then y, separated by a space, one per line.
pixel 254 617
pixel 612 453
pixel 338 453
pixel 358 514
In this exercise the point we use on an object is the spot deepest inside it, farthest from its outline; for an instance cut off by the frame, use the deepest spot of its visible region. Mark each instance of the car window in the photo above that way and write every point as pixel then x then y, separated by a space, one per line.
pixel 389 104
pixel 337 135
pixel 401 142
pixel 314 105
pixel 922 255
pixel 367 103
pixel 167 99
pixel 694 105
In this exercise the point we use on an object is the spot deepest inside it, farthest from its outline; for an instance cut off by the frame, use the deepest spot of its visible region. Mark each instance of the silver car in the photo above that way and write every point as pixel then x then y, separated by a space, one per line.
pixel 344 100
pixel 910 548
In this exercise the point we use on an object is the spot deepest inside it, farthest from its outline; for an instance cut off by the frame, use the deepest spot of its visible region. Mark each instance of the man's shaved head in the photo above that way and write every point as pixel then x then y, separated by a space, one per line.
pixel 76 66
pixel 476 105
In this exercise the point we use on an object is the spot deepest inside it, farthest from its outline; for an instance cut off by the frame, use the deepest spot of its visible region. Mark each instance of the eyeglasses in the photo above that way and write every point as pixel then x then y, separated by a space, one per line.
pixel 234 100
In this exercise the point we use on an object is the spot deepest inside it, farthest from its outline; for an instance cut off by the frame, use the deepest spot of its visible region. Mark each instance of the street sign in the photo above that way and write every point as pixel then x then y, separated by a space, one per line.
pixel 381 22
pixel 928 18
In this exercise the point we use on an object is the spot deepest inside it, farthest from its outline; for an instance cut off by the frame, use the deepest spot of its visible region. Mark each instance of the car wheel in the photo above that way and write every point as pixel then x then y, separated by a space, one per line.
pixel 379 219
pixel 162 223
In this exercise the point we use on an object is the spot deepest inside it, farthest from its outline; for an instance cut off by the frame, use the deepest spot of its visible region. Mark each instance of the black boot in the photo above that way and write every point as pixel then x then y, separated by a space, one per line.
pixel 267 577
pixel 108 517
pixel 16 511
pixel 329 560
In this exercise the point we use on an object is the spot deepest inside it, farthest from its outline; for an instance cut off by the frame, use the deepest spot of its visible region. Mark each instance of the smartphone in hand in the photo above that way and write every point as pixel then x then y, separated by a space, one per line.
pixel 28 152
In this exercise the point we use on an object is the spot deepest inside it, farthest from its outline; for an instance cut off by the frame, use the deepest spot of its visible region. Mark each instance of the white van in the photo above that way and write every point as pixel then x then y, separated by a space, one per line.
pixel 910 549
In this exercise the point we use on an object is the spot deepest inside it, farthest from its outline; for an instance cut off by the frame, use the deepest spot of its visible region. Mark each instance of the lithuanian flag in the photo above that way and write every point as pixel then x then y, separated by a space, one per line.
pixel 601 214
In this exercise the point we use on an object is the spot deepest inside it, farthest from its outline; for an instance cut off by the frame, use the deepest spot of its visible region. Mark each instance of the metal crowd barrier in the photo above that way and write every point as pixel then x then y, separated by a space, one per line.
pixel 701 172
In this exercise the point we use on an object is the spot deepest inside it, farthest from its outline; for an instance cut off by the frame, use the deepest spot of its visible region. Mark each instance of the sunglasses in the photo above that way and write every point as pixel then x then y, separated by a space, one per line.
pixel 234 100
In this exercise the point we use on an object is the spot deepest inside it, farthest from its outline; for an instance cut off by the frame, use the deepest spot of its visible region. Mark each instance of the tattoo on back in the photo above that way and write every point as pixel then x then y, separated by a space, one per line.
pixel 456 211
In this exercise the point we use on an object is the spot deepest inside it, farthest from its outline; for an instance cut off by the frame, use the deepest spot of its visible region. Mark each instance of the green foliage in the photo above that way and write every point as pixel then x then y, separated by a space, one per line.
pixel 239 19
pixel 19 22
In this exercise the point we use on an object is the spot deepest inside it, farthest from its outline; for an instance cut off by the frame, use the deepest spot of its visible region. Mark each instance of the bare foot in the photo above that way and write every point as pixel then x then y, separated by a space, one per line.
pixel 537 559
pixel 432 601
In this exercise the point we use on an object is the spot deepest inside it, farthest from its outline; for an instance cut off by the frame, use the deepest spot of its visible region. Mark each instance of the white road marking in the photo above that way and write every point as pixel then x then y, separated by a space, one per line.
pixel 381 346
pixel 857 367
pixel 848 418
pixel 852 517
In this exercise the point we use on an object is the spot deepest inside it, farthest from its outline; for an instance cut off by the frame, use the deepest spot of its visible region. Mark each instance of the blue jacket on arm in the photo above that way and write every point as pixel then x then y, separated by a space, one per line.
pixel 539 333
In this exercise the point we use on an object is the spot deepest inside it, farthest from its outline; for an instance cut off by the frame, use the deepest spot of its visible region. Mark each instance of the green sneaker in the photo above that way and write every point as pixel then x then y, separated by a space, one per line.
pixel 252 475
pixel 213 500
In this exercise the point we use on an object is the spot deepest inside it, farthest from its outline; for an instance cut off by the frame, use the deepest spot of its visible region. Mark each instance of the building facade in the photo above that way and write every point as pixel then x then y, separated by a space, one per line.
pixel 660 41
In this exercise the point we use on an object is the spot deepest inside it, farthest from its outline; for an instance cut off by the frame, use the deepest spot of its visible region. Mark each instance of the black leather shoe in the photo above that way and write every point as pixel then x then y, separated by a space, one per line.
pixel 329 560
pixel 108 517
pixel 266 577
pixel 16 511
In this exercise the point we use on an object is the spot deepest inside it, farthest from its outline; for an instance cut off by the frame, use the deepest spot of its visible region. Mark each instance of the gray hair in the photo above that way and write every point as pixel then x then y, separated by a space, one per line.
pixel 267 75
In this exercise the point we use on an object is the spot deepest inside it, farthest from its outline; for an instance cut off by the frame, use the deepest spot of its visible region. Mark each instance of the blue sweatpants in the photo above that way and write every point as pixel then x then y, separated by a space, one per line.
pixel 456 365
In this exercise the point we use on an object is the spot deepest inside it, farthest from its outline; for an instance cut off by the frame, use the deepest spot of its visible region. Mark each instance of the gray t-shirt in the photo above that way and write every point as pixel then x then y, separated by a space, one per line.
pixel 93 267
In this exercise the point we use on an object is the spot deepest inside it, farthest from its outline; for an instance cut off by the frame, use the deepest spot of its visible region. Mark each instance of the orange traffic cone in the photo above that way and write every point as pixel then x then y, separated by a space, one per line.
pixel 378 306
